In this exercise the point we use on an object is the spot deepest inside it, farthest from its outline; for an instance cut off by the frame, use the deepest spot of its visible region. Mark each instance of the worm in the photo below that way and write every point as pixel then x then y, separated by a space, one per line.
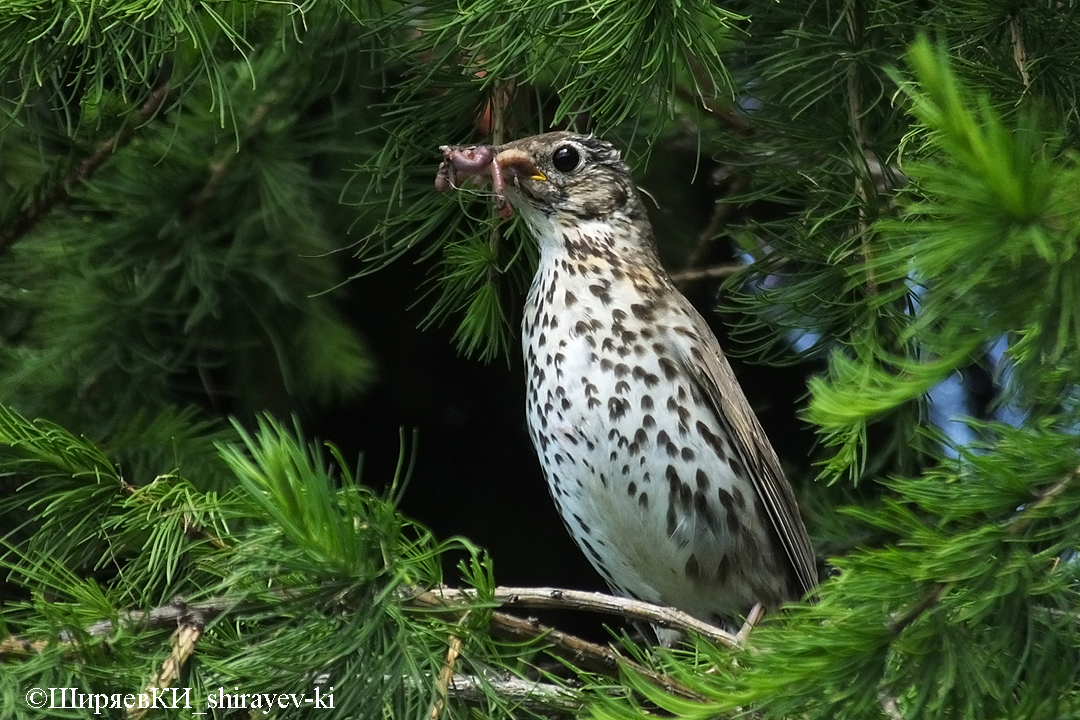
pixel 461 162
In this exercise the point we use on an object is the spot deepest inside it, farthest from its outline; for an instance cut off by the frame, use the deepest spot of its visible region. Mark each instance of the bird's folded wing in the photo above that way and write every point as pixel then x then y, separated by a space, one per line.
pixel 703 360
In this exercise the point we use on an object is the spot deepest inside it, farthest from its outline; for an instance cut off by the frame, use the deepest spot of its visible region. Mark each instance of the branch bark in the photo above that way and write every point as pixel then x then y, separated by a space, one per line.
pixel 544 697
pixel 544 598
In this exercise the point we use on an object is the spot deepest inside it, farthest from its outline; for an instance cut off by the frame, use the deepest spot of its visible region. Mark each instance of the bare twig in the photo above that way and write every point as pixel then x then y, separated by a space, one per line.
pixel 862 141
pixel 721 213
pixel 176 612
pixel 1020 56
pixel 554 598
pixel 25 221
pixel 532 695
pixel 15 645
pixel 707 273
pixel 756 613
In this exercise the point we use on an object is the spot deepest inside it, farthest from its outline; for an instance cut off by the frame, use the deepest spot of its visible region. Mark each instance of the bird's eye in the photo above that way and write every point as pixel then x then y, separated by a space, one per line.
pixel 566 158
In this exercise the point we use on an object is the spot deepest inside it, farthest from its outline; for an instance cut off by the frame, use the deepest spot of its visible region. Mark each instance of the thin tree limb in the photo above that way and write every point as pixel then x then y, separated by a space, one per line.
pixel 706 273
pixel 721 213
pixel 752 619
pixel 446 598
pixel 1020 55
pixel 546 598
pixel 545 697
pixel 586 655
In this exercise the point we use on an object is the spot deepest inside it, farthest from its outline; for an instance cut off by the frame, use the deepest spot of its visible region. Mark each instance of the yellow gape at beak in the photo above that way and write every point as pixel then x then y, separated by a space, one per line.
pixel 518 162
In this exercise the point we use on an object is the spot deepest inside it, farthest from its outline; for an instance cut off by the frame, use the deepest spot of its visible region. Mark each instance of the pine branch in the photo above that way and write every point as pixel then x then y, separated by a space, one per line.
pixel 1014 527
pixel 137 492
pixel 219 169
pixel 586 655
pixel 929 600
pixel 728 120
pixel 28 218
pixel 862 142
pixel 177 612
pixel 1028 515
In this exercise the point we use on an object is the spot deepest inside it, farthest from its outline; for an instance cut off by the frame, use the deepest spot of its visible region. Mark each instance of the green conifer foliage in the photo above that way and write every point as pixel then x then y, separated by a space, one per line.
pixel 177 178
pixel 170 219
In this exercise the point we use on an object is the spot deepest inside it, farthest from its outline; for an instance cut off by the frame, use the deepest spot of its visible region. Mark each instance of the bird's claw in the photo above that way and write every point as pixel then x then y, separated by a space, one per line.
pixel 752 619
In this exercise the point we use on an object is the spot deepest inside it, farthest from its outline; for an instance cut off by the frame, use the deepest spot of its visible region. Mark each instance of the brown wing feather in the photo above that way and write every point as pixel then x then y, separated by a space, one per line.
pixel 706 364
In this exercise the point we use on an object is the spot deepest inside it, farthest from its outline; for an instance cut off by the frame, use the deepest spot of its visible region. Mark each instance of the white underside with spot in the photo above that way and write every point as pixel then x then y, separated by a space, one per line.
pixel 586 411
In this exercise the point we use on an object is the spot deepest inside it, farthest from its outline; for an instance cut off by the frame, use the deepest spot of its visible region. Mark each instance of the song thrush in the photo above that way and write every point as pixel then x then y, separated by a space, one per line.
pixel 655 460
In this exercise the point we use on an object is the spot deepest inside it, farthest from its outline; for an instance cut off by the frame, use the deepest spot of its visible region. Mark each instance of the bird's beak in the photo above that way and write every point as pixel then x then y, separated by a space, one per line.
pixel 517 163
pixel 461 162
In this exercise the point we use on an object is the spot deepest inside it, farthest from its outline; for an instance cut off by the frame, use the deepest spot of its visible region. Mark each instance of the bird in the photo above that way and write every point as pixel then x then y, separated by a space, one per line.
pixel 655 460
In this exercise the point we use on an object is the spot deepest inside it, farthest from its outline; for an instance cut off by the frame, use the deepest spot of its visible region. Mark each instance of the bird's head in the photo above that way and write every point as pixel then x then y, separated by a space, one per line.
pixel 567 178
pixel 554 180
